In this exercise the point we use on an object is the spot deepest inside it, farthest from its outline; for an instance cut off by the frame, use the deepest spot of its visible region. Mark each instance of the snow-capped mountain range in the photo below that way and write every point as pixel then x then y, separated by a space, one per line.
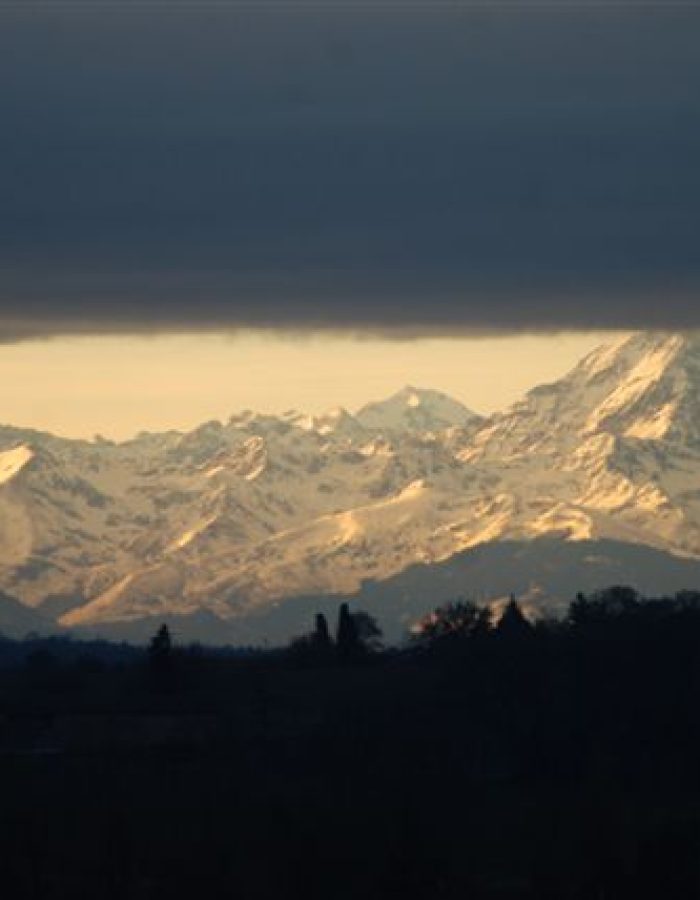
pixel 233 520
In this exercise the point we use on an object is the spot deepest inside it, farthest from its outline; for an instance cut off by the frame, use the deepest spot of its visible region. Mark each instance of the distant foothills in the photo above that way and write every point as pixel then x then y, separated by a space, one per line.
pixel 238 532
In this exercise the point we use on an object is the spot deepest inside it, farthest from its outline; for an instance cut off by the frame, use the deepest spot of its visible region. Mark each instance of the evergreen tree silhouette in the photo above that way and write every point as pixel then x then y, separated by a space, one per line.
pixel 513 622
pixel 321 636
pixel 347 638
pixel 160 649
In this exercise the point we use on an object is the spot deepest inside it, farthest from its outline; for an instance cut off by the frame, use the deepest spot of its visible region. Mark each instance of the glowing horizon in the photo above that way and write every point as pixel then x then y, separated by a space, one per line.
pixel 118 386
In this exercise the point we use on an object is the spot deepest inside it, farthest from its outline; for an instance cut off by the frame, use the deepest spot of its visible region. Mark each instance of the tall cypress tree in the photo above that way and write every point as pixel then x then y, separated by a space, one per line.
pixel 347 639
pixel 321 637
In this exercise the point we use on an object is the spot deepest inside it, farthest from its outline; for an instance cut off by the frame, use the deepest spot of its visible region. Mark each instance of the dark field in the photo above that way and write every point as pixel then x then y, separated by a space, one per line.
pixel 557 762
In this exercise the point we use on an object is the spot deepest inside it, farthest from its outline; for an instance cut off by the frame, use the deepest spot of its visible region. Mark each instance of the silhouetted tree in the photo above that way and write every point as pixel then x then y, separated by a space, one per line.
pixel 603 606
pixel 458 619
pixel 619 599
pixel 581 611
pixel 346 639
pixel 321 636
pixel 513 622
pixel 160 649
pixel 688 600
pixel 314 647
pixel 369 633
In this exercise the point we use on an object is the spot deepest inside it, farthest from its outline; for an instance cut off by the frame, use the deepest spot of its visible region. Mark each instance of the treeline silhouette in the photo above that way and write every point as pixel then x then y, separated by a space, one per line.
pixel 489 757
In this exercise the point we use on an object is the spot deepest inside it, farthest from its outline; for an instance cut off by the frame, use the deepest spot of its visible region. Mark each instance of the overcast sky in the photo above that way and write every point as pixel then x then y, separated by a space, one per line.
pixel 419 170
pixel 410 167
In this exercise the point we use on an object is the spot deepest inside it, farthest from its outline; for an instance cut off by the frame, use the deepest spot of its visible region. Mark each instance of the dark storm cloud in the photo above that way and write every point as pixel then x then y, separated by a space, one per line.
pixel 402 168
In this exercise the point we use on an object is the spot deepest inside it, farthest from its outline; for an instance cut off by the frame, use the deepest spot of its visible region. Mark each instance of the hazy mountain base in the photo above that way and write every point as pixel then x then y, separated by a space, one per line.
pixel 540 572
pixel 17 620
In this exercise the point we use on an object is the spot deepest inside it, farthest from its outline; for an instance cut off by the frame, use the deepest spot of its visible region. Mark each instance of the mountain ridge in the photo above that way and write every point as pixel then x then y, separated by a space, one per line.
pixel 231 518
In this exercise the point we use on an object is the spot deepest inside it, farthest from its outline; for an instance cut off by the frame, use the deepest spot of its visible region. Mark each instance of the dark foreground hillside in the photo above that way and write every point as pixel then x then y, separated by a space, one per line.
pixel 511 762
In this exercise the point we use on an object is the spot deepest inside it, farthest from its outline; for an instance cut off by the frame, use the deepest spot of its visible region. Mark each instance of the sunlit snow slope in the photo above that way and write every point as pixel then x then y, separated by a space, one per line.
pixel 231 518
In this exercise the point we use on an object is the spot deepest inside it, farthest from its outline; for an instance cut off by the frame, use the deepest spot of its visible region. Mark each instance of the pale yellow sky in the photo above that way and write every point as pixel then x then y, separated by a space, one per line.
pixel 117 386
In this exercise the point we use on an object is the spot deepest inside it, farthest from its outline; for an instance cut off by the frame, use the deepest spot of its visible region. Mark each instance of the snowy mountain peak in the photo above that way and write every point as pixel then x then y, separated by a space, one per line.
pixel 415 409
pixel 339 423
pixel 645 386
pixel 652 385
